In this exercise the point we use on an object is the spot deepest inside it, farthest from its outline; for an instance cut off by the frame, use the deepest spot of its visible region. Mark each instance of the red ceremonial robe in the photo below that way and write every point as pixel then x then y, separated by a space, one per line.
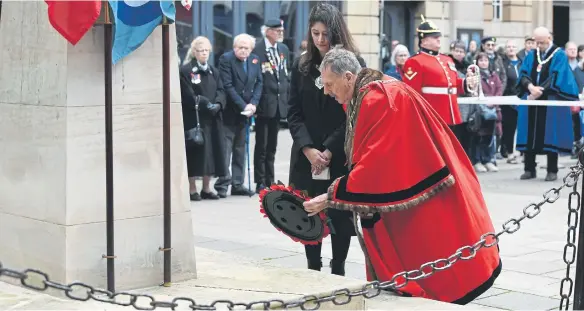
pixel 409 169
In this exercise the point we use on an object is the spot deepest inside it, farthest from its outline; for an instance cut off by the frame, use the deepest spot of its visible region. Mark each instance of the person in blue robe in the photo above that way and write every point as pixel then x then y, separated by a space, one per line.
pixel 542 129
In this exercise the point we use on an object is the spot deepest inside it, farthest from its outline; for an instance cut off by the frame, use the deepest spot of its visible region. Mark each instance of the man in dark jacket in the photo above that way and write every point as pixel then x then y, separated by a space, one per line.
pixel 512 64
pixel 273 105
pixel 529 44
pixel 495 60
pixel 242 79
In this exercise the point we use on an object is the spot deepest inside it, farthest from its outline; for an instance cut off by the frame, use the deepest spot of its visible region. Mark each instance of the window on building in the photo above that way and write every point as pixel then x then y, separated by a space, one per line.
pixel 468 35
pixel 184 29
pixel 254 18
pixel 222 28
pixel 288 15
pixel 497 10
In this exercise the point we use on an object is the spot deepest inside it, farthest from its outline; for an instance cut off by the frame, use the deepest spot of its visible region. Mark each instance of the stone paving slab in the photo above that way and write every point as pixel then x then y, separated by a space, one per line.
pixel 224 276
pixel 221 276
pixel 519 301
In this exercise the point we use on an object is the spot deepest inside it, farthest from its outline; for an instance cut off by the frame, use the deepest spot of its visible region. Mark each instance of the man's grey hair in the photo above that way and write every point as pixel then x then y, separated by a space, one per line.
pixel 340 61
pixel 243 37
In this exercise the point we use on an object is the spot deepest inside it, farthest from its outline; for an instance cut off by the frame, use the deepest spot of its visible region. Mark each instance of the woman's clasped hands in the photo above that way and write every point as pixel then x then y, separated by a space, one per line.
pixel 318 160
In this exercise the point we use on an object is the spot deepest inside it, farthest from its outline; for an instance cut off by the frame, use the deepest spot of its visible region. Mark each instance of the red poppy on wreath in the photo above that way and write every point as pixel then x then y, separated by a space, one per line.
pixel 282 205
pixel 254 61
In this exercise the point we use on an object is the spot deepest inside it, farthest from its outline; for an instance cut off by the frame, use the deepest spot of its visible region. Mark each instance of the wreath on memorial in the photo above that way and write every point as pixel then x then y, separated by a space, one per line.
pixel 282 205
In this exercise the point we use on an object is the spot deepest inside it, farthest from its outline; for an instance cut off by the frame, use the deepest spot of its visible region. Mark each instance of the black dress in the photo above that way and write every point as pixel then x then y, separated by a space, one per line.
pixel 208 159
pixel 318 121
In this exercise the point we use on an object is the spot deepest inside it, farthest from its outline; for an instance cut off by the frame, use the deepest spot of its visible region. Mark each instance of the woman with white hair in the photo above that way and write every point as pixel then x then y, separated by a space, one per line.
pixel 398 58
pixel 203 100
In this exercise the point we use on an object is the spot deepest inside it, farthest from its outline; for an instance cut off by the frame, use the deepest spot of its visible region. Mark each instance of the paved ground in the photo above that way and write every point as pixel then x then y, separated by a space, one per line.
pixel 532 257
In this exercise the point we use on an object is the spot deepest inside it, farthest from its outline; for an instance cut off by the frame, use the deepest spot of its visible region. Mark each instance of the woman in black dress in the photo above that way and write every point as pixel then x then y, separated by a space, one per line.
pixel 317 124
pixel 200 82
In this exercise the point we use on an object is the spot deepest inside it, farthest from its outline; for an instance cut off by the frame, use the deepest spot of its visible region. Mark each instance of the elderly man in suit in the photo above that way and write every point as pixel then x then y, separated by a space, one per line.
pixel 274 57
pixel 242 80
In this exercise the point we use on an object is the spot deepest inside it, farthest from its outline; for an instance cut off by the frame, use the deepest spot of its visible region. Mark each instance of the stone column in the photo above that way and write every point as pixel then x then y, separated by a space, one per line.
pixel 543 14
pixel 52 164
pixel 576 20
pixel 363 21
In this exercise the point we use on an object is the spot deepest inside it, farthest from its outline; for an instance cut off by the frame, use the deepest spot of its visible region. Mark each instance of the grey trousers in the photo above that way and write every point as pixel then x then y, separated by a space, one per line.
pixel 234 155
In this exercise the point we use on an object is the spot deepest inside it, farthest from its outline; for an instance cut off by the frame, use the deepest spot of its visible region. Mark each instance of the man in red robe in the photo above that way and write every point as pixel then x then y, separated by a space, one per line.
pixel 410 181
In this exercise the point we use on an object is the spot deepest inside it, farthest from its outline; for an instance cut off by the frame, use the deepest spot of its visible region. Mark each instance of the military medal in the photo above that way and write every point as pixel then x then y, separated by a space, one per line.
pixel 539 68
pixel 195 78
pixel 282 205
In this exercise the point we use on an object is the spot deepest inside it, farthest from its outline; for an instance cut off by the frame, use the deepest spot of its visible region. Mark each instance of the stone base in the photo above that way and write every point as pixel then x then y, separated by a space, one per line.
pixel 74 253
pixel 52 167
pixel 225 276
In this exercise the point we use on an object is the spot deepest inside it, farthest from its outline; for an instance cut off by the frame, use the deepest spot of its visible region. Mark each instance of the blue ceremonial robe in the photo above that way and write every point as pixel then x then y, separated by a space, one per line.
pixel 542 129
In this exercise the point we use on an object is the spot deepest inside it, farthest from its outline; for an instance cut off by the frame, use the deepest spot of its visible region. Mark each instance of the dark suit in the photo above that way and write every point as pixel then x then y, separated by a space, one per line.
pixel 272 108
pixel 242 88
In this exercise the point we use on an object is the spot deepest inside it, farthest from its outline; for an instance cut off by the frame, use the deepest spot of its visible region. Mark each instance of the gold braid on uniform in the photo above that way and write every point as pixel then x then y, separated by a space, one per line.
pixel 364 77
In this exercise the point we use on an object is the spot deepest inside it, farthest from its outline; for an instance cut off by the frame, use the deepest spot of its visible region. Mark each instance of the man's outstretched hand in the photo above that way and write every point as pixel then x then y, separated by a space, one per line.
pixel 316 204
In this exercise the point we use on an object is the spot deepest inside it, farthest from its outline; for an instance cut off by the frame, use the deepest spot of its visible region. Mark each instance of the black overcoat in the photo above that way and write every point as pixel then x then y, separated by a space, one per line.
pixel 319 121
pixel 208 159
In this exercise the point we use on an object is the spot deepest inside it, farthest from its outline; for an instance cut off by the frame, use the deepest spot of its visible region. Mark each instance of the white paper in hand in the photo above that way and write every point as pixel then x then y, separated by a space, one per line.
pixel 324 175
pixel 247 113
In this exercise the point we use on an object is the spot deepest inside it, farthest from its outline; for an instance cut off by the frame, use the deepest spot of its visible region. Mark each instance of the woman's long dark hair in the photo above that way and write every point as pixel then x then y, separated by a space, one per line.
pixel 337 32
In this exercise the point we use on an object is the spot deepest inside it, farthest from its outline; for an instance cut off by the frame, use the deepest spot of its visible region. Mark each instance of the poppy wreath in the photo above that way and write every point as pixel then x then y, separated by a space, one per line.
pixel 303 196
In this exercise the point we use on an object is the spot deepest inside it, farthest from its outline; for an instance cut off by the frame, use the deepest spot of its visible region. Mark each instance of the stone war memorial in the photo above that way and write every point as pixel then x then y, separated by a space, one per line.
pixel 55 193
pixel 94 200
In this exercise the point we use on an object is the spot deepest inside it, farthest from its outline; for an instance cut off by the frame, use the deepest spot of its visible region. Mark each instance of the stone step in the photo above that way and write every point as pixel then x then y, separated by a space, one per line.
pixel 224 276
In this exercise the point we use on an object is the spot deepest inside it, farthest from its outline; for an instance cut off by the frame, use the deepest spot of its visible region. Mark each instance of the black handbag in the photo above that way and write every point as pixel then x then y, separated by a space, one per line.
pixel 194 136
pixel 475 120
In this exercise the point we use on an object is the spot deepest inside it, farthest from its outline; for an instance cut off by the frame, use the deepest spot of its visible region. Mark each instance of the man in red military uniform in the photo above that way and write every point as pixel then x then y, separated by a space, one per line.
pixel 434 75
pixel 398 199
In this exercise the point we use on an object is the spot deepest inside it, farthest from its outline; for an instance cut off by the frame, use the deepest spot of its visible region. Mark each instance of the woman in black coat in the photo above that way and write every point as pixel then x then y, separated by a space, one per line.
pixel 509 113
pixel 317 125
pixel 200 83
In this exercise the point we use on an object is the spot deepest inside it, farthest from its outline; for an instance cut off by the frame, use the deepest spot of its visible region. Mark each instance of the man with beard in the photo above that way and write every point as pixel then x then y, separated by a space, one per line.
pixel 545 75
pixel 273 107
pixel 391 129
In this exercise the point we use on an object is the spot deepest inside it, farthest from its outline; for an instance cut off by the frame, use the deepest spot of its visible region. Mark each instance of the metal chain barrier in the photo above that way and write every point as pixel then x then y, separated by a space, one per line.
pixel 570 248
pixel 82 292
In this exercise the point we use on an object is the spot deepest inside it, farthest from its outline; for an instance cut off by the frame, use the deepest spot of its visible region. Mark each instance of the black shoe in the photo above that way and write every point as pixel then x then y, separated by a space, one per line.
pixel 337 267
pixel 314 264
pixel 221 195
pixel 195 197
pixel 209 196
pixel 259 188
pixel 241 191
pixel 527 175
pixel 551 176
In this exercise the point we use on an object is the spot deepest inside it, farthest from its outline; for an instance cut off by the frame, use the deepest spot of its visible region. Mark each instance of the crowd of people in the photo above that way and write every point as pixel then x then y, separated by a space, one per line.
pixel 500 65
pixel 411 128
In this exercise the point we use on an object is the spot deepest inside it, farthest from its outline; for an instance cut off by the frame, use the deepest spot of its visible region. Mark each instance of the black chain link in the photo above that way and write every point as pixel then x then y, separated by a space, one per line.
pixel 570 248
pixel 83 292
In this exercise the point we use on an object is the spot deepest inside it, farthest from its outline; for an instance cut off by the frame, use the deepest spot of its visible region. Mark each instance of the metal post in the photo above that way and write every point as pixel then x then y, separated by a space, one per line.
pixel 109 153
pixel 166 148
pixel 578 303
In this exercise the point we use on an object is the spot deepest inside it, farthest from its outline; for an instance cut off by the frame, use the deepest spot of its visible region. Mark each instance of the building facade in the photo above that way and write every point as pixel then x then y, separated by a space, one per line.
pixel 220 21
pixel 376 23
pixel 472 19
